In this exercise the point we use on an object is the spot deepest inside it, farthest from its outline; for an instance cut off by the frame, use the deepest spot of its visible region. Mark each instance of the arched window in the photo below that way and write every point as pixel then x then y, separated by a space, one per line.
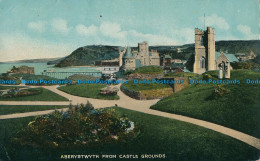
pixel 201 41
pixel 202 62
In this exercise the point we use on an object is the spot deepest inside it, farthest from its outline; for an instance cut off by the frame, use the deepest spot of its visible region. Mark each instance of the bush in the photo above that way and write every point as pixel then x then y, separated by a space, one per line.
pixel 220 91
pixel 149 70
pixel 244 65
pixel 80 126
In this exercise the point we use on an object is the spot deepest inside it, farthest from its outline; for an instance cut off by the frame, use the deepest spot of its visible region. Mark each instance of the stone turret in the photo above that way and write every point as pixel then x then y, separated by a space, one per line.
pixel 211 49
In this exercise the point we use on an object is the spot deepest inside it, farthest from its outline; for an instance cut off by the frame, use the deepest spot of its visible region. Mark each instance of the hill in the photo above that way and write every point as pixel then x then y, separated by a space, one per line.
pixel 87 55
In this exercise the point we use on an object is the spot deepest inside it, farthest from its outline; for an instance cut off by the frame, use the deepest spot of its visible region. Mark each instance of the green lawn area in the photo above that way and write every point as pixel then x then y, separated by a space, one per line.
pixel 238 109
pixel 88 90
pixel 177 140
pixel 10 109
pixel 45 95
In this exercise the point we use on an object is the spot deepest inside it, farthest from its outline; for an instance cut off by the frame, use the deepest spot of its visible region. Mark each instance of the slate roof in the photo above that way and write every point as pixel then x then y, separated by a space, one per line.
pixel 167 56
pixel 176 65
pixel 230 57
pixel 128 53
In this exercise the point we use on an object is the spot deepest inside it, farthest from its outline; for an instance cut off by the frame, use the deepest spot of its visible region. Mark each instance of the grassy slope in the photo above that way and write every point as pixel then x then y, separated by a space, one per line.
pixel 10 109
pixel 238 109
pixel 46 95
pixel 178 140
pixel 87 90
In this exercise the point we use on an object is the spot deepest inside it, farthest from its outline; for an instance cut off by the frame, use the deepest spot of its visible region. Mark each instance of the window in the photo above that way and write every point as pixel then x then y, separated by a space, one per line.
pixel 202 62
pixel 201 41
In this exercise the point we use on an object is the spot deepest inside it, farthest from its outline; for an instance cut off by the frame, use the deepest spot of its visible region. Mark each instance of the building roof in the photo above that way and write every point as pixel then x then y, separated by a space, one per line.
pixel 128 53
pixel 230 57
pixel 167 56
pixel 177 65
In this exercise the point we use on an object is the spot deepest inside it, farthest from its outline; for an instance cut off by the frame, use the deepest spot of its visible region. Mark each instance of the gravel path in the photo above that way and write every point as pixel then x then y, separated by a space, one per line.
pixel 132 104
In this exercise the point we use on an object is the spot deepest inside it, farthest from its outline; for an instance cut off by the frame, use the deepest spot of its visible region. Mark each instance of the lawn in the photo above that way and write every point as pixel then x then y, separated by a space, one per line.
pixel 10 109
pixel 238 109
pixel 88 90
pixel 177 140
pixel 45 95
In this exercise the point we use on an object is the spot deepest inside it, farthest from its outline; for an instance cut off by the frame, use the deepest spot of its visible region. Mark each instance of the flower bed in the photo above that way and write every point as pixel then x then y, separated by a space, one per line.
pixel 79 126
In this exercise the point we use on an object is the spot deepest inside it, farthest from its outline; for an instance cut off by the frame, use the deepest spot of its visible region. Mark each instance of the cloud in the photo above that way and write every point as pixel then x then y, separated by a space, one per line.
pixel 215 21
pixel 21 46
pixel 38 26
pixel 246 31
pixel 111 33
pixel 83 30
pixel 184 35
pixel 60 25
pixel 112 30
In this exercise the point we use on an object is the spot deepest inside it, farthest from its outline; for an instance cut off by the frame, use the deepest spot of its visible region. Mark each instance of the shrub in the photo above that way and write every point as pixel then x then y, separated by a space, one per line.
pixel 149 70
pixel 80 126
pixel 220 91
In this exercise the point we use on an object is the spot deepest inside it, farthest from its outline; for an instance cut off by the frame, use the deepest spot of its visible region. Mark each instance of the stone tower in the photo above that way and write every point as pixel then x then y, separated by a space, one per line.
pixel 204 51
pixel 143 53
pixel 211 49
pixel 128 60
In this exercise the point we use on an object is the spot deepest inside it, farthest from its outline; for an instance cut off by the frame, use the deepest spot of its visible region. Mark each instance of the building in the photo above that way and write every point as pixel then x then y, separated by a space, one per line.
pixel 130 60
pixel 206 58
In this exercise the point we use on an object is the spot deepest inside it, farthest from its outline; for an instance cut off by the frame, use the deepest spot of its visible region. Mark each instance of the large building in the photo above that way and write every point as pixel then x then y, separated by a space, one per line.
pixel 206 58
pixel 130 60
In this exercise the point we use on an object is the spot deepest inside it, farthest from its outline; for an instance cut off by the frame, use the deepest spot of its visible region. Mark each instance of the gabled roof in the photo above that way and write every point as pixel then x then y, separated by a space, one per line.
pixel 230 57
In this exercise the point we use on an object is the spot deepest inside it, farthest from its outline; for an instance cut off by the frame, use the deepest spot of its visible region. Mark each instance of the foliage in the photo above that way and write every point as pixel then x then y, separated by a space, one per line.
pixel 220 91
pixel 140 87
pixel 80 126
pixel 149 70
pixel 189 75
pixel 245 65
pixel 44 95
pixel 16 92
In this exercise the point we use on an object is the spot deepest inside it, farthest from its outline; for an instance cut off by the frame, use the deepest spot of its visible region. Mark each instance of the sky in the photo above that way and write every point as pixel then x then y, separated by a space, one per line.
pixel 31 29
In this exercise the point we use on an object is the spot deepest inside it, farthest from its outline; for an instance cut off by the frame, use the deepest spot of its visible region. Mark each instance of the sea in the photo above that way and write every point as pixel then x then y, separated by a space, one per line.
pixel 39 68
